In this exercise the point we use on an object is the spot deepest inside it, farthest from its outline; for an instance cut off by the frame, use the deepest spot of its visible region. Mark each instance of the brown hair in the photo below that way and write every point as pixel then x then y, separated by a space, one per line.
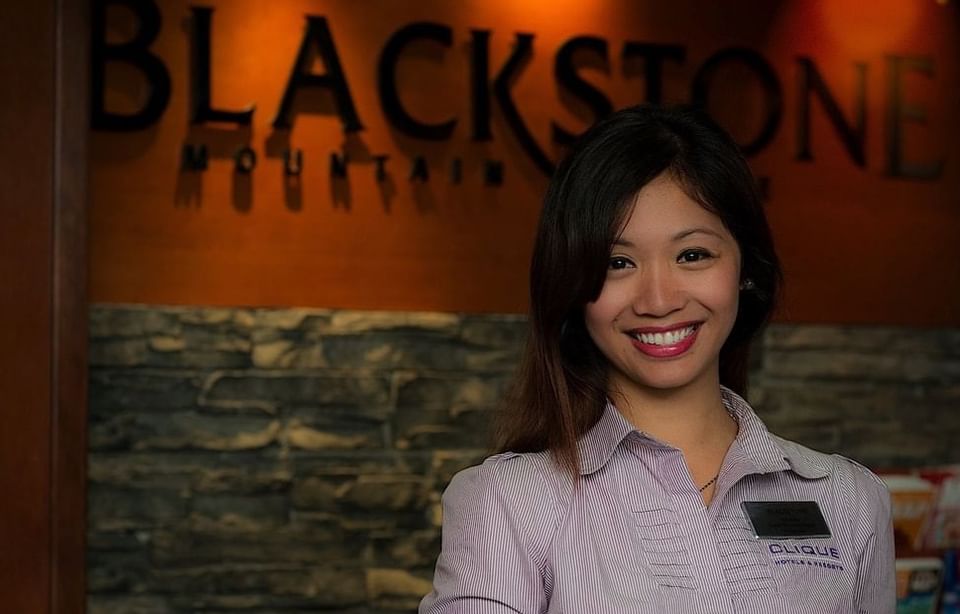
pixel 561 386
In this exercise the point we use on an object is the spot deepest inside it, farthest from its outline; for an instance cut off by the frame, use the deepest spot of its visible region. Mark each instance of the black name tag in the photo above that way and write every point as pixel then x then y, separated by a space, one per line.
pixel 786 519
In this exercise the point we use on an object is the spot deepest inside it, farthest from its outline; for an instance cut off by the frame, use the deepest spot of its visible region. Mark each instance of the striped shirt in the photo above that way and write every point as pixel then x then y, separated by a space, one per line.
pixel 635 536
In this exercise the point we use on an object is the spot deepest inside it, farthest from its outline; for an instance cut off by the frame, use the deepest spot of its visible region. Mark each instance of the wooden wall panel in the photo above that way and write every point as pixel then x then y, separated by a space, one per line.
pixel 42 305
pixel 26 248
pixel 858 243
pixel 69 302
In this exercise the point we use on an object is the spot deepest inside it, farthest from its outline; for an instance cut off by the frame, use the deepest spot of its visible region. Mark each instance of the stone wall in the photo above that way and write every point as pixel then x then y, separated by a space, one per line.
pixel 288 460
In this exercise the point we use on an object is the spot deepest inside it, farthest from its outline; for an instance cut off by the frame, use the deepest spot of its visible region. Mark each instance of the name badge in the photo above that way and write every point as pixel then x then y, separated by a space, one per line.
pixel 786 519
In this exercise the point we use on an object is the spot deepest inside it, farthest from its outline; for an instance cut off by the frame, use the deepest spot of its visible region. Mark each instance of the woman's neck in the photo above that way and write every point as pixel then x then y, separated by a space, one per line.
pixel 689 418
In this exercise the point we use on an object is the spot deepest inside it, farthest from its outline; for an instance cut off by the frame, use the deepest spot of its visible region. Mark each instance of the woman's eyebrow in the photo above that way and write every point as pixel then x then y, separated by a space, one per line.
pixel 690 231
pixel 677 237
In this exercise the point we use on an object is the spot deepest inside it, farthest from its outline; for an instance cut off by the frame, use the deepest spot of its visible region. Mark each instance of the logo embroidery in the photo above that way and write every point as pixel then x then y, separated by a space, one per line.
pixel 824 556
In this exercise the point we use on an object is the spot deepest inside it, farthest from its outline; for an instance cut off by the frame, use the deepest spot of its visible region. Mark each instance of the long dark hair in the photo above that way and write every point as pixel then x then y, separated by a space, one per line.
pixel 561 386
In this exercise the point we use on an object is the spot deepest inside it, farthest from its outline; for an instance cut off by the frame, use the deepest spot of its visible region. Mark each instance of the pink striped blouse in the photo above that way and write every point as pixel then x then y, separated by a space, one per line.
pixel 636 537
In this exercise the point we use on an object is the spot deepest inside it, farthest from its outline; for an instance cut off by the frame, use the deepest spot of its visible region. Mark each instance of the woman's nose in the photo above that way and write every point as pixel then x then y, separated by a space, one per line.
pixel 658 292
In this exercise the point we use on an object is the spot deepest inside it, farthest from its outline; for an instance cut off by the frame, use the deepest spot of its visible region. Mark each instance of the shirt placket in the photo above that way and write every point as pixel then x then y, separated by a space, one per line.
pixel 744 565
pixel 713 591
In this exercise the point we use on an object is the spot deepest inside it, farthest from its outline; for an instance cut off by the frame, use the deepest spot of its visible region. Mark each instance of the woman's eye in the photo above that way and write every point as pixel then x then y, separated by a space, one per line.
pixel 693 255
pixel 619 262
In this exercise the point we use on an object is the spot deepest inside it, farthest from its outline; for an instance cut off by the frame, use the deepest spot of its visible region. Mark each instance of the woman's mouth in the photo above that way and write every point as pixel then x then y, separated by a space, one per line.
pixel 666 344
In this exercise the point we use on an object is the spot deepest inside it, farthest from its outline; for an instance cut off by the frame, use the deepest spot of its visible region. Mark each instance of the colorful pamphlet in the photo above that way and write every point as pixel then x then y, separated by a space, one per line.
pixel 943 526
pixel 918 585
pixel 912 500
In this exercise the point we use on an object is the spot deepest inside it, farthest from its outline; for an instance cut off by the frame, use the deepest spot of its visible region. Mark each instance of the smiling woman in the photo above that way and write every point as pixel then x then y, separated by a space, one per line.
pixel 671 293
pixel 633 476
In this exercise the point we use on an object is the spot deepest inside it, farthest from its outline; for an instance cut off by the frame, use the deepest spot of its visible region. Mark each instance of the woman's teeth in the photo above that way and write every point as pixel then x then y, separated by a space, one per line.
pixel 669 338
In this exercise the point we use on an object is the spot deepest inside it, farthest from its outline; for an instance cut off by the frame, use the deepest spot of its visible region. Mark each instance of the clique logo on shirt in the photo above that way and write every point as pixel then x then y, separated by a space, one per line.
pixel 831 552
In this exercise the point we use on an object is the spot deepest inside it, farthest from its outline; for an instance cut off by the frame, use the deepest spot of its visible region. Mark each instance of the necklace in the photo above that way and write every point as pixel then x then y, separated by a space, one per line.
pixel 714 478
pixel 707 485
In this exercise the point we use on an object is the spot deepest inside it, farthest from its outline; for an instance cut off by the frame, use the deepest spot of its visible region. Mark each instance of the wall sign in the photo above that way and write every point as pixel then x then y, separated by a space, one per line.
pixel 403 151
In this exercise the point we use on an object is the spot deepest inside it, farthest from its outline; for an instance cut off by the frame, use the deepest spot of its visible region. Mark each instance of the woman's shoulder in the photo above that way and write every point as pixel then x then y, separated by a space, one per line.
pixel 507 494
pixel 499 524
pixel 513 477
pixel 852 479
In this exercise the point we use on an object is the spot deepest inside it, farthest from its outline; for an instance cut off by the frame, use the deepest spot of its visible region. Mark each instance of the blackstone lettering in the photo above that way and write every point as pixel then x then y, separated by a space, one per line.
pixel 419 172
pixel 292 162
pixel 245 160
pixel 456 170
pixel 338 166
pixel 318 42
pixel 194 158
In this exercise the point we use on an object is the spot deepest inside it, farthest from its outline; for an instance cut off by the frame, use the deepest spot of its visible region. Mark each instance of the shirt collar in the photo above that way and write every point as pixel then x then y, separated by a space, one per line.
pixel 768 453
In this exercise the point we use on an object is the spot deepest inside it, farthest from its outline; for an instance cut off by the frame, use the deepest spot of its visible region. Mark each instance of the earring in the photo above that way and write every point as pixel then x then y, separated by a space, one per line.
pixel 747 284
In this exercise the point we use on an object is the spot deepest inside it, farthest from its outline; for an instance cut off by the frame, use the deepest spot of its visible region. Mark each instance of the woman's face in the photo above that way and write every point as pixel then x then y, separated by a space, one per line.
pixel 670 296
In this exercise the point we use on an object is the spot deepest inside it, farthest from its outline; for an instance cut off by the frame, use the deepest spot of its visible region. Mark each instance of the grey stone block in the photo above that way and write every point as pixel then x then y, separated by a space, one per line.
pixel 432 430
pixel 885 340
pixel 300 389
pixel 455 393
pixel 129 604
pixel 506 332
pixel 415 349
pixel 182 430
pixel 391 492
pixel 118 572
pixel 318 585
pixel 336 428
pixel 365 322
pixel 207 543
pixel 279 353
pixel 107 321
pixel 251 512
pixel 405 549
pixel 242 473
pixel 360 461
pixel 289 319
pixel 113 509
pixel 444 412
pixel 118 540
pixel 865 366
pixel 142 390
pixel 319 494
pixel 396 588
pixel 118 352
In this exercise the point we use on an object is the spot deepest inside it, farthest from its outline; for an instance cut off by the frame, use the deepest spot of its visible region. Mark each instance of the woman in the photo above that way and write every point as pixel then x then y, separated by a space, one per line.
pixel 628 451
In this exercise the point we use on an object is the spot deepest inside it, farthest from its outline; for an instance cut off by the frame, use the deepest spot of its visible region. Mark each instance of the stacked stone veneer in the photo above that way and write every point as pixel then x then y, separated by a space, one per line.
pixel 288 460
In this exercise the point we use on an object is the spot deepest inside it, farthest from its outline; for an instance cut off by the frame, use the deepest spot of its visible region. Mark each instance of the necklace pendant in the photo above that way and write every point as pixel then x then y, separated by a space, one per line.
pixel 707 485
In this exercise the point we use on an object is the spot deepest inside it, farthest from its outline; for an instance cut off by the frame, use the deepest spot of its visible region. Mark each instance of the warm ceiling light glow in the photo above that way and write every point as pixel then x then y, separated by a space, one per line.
pixel 887 23
pixel 562 14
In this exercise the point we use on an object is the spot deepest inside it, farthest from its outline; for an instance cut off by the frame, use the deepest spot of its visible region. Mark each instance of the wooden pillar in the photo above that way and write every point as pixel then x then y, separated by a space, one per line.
pixel 43 324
